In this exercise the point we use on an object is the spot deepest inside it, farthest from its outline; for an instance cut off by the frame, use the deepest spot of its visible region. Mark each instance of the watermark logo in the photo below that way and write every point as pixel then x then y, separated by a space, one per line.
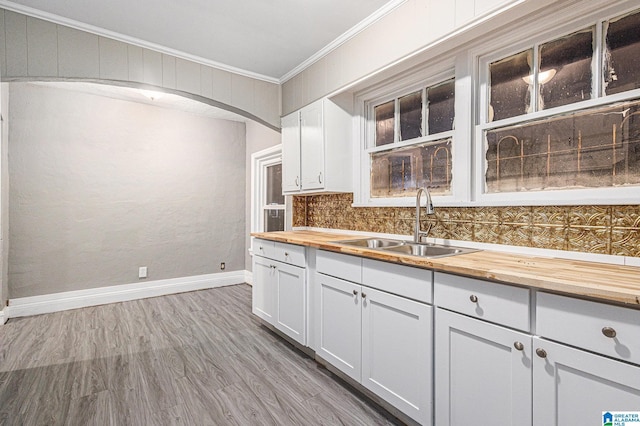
pixel 621 418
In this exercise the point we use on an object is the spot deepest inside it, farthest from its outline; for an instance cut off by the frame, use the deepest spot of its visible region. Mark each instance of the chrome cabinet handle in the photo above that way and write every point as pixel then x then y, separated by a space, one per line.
pixel 364 295
pixel 609 332
pixel 519 346
pixel 260 248
pixel 355 292
pixel 473 298
pixel 297 181
pixel 320 177
pixel 286 254
pixel 541 353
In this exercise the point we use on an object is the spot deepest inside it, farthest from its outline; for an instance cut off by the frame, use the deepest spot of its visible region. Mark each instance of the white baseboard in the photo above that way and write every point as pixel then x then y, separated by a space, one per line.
pixel 248 277
pixel 34 305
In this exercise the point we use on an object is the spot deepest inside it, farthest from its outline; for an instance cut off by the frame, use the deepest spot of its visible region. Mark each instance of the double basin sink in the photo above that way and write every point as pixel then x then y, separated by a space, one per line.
pixel 406 247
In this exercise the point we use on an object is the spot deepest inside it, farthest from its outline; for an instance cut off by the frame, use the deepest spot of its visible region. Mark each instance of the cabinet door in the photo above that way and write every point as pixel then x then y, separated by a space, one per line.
pixel 340 324
pixel 397 355
pixel 291 305
pixel 291 153
pixel 263 303
pixel 481 378
pixel 574 387
pixel 312 147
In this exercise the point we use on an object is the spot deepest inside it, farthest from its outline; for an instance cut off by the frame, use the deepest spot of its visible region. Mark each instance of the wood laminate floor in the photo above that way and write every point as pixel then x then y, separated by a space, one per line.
pixel 196 358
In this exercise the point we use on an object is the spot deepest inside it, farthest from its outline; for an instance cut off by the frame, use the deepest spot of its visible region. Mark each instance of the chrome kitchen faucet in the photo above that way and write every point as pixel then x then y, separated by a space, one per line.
pixel 418 234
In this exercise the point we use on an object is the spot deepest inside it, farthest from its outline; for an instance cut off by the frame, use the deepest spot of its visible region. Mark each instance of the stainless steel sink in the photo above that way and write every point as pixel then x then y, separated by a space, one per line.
pixel 429 250
pixel 406 247
pixel 372 243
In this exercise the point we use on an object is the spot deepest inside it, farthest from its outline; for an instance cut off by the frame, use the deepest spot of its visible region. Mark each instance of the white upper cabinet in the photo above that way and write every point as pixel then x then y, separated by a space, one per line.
pixel 291 153
pixel 312 147
pixel 316 148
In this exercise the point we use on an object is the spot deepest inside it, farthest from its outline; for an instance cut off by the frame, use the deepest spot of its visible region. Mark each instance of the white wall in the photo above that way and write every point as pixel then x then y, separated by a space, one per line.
pixel 99 187
pixel 415 32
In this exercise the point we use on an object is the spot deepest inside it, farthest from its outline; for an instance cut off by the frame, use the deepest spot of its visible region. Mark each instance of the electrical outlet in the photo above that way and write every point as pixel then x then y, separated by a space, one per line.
pixel 142 272
pixel 222 266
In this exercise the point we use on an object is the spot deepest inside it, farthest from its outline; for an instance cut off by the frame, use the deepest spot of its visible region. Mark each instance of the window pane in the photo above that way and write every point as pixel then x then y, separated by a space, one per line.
pixel 509 93
pixel 273 220
pixel 385 123
pixel 565 70
pixel 599 147
pixel 441 100
pixel 622 55
pixel 392 172
pixel 274 184
pixel 411 116
pixel 399 172
pixel 436 167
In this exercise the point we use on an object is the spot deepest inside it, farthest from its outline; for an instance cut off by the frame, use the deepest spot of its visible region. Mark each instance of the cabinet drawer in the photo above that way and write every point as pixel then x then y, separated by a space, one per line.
pixel 282 252
pixel 584 324
pixel 264 248
pixel 498 303
pixel 414 283
pixel 290 253
pixel 340 265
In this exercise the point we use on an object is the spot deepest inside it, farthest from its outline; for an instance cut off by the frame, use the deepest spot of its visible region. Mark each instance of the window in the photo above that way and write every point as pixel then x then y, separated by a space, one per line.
pixel 547 122
pixel 583 149
pixel 268 203
pixel 412 141
pixel 545 113
pixel 273 208
pixel 622 54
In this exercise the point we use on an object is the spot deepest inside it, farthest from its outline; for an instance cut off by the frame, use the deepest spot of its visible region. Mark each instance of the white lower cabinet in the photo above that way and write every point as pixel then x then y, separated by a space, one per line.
pixel 291 304
pixel 397 352
pixel 375 322
pixel 381 340
pixel 575 387
pixel 339 316
pixel 279 294
pixel 482 372
pixel 263 303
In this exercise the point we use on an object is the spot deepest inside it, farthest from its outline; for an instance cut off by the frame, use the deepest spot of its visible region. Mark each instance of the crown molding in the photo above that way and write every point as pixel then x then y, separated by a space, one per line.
pixel 61 20
pixel 358 28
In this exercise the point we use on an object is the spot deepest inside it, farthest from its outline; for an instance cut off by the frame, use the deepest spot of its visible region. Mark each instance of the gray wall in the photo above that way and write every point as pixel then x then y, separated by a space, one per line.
pixel 259 137
pixel 99 187
pixel 4 195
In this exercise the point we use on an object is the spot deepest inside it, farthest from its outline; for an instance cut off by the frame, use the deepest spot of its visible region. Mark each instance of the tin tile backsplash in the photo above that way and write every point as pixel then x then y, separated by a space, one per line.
pixel 595 229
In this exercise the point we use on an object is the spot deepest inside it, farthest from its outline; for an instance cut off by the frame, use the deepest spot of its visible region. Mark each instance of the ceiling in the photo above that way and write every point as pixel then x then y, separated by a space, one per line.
pixel 267 39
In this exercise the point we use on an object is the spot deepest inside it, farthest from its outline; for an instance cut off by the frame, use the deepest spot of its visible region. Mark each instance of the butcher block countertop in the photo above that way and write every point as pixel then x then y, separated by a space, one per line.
pixel 614 283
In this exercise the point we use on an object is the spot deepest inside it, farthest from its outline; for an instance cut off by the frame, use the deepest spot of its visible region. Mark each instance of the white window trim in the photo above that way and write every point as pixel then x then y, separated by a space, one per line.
pixel 489 54
pixel 259 161
pixel 446 68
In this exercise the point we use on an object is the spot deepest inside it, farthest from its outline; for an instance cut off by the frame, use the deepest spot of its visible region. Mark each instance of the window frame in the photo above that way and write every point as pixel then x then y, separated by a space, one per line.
pixel 489 54
pixel 419 79
pixel 259 163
